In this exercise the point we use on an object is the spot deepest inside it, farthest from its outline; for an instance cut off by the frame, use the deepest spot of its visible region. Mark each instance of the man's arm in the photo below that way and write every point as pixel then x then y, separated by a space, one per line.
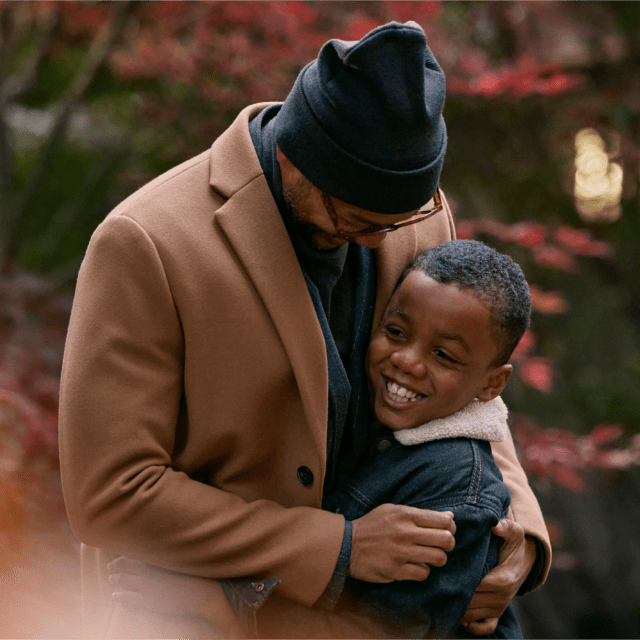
pixel 137 585
pixel 525 510
pixel 121 391
pixel 391 539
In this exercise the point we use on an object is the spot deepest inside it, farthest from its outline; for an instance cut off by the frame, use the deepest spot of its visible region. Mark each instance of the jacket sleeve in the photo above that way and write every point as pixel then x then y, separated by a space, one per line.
pixel 435 606
pixel 121 391
pixel 525 509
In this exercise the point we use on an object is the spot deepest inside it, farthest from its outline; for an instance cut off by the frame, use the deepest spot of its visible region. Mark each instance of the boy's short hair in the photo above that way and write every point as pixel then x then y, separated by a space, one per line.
pixel 494 278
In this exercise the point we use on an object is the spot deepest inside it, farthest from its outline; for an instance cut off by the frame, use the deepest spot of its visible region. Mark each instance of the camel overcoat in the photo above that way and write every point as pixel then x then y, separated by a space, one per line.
pixel 194 386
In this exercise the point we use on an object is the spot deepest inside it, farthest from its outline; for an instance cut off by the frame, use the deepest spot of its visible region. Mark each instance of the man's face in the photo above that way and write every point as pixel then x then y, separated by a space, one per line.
pixel 313 220
pixel 432 353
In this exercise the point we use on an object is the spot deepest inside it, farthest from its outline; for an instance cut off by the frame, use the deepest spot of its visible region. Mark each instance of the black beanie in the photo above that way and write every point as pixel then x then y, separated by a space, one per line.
pixel 364 121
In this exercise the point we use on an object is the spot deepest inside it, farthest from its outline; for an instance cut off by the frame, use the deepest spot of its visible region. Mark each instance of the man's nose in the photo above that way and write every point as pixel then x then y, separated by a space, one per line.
pixel 372 241
pixel 409 361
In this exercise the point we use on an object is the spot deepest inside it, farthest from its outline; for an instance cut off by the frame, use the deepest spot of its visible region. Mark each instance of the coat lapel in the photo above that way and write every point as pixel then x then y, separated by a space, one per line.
pixel 253 226
pixel 262 244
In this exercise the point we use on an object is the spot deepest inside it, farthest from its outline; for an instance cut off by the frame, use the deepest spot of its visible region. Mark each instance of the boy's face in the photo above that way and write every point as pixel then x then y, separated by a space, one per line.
pixel 431 354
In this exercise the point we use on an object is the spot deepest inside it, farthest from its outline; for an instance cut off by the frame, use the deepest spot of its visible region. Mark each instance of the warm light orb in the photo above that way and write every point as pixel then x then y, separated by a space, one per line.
pixel 598 181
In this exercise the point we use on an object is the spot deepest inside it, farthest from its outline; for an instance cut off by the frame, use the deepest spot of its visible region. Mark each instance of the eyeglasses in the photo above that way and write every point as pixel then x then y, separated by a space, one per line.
pixel 419 216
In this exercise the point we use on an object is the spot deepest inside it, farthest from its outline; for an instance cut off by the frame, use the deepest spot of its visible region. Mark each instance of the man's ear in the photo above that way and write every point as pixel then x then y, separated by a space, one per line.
pixel 495 382
pixel 286 166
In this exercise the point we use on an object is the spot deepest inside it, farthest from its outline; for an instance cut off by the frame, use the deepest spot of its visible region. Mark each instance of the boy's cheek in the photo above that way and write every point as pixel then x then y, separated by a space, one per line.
pixel 377 352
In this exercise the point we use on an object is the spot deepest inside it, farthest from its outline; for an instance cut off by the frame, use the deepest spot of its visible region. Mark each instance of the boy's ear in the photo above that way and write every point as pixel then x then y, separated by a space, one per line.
pixel 495 382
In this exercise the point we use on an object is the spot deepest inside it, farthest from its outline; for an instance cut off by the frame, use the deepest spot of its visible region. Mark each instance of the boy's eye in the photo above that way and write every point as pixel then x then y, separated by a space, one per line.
pixel 439 353
pixel 394 332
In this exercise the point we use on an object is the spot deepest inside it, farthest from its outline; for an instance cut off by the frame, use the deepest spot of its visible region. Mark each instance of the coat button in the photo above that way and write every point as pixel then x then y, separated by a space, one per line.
pixel 258 586
pixel 305 475
pixel 384 445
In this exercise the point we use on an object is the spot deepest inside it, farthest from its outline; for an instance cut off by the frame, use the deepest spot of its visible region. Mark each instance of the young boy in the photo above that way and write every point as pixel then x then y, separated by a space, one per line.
pixel 436 365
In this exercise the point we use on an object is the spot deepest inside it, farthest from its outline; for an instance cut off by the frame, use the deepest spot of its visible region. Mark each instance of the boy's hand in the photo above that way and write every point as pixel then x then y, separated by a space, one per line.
pixel 396 542
pixel 501 584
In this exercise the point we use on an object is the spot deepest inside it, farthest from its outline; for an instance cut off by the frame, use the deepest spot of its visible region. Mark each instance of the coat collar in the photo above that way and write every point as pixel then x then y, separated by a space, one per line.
pixel 234 162
pixel 394 254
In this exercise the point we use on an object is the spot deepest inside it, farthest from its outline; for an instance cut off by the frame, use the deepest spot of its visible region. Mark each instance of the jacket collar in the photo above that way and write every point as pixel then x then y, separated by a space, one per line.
pixel 479 420
pixel 234 160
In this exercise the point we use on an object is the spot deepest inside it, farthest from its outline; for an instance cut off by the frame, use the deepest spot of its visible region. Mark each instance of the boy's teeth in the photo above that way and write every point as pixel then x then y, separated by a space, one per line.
pixel 399 393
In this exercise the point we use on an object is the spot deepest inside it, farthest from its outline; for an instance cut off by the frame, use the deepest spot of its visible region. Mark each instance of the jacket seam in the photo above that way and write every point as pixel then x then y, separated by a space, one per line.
pixel 476 475
pixel 358 496
pixel 253 605
pixel 258 175
pixel 456 500
pixel 125 215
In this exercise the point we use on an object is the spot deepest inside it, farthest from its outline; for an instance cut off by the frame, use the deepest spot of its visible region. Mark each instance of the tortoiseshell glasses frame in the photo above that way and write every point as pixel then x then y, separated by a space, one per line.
pixel 419 216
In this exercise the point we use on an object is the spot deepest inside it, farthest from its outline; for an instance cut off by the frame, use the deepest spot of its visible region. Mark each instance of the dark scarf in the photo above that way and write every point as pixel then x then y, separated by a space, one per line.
pixel 342 286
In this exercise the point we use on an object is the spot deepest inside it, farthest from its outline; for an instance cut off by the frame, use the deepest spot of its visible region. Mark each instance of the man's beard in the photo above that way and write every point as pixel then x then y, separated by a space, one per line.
pixel 296 196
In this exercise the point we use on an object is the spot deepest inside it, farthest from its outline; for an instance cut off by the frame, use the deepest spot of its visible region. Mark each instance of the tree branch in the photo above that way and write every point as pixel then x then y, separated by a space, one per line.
pixel 14 88
pixel 6 163
pixel 5 28
pixel 71 214
pixel 98 52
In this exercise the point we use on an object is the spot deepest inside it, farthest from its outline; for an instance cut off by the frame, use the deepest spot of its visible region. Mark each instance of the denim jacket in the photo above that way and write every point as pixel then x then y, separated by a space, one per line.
pixel 455 474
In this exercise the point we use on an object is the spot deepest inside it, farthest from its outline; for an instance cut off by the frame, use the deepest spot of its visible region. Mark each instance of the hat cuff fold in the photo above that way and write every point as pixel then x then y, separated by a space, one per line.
pixel 335 171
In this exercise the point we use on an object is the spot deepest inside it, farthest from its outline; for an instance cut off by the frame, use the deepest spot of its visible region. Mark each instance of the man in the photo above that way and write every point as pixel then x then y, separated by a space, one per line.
pixel 213 382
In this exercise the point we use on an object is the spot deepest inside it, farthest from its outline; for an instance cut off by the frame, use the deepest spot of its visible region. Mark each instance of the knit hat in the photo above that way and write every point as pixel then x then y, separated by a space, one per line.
pixel 364 121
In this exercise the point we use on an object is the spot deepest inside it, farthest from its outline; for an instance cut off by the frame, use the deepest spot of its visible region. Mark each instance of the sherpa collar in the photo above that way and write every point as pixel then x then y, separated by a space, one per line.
pixel 480 420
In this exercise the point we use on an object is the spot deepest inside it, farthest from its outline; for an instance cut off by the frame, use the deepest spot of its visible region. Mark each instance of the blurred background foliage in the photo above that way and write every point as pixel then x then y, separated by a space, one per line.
pixel 543 115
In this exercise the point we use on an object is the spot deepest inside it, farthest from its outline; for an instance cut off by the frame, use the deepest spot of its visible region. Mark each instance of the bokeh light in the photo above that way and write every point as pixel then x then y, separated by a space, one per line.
pixel 598 181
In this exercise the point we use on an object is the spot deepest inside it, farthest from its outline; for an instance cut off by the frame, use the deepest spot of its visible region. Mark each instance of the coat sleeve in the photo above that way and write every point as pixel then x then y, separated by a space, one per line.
pixel 121 390
pixel 525 509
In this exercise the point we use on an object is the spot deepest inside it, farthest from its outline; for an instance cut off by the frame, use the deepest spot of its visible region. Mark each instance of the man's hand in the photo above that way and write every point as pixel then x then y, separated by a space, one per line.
pixel 395 542
pixel 501 584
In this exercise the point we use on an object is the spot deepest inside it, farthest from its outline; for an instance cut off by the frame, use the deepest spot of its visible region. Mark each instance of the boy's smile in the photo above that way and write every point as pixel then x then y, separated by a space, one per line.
pixel 432 354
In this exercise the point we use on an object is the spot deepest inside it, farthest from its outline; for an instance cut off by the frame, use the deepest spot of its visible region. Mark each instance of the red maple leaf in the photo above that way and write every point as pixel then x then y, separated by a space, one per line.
pixel 537 372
